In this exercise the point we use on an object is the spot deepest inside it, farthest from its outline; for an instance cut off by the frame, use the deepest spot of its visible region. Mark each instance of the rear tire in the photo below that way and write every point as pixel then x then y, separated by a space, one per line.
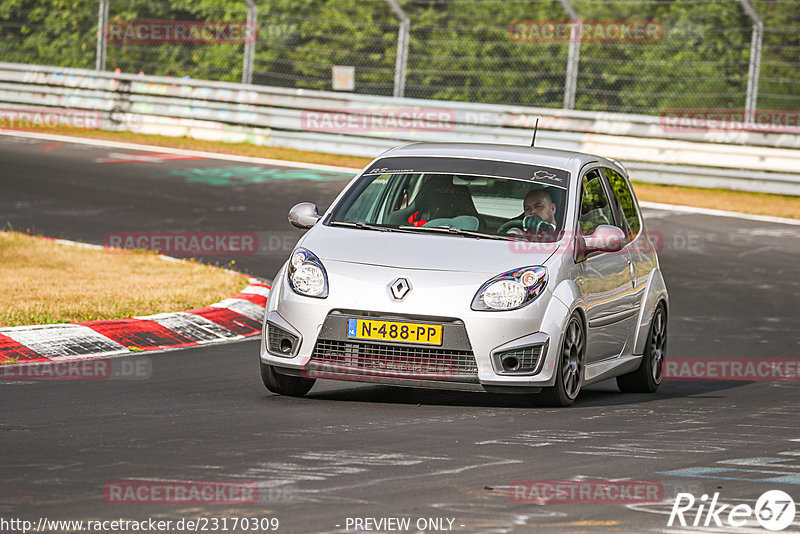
pixel 569 369
pixel 292 386
pixel 648 376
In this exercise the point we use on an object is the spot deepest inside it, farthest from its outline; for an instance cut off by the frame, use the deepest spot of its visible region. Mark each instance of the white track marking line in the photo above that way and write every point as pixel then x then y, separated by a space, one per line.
pixel 718 213
pixel 153 148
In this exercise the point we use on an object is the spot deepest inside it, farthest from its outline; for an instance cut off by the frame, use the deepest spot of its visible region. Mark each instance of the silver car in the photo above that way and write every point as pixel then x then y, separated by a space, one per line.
pixel 475 267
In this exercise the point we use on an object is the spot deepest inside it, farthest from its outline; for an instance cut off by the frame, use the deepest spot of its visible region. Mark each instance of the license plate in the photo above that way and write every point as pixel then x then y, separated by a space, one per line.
pixel 402 332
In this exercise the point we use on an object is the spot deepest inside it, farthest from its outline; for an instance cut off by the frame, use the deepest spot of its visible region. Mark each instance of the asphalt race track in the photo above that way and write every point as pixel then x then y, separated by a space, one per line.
pixel 360 451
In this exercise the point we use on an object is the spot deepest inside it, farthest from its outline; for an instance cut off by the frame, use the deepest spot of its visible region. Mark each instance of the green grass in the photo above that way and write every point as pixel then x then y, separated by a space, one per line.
pixel 44 282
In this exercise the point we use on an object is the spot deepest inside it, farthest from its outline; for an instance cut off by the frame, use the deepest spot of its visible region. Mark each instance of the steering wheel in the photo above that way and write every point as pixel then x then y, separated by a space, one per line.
pixel 508 225
pixel 530 223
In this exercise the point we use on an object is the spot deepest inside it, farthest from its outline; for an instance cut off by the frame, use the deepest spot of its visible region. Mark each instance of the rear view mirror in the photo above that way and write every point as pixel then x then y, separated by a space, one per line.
pixel 605 238
pixel 304 215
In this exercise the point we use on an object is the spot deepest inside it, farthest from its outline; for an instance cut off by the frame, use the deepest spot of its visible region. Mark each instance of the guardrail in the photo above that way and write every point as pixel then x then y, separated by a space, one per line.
pixel 343 123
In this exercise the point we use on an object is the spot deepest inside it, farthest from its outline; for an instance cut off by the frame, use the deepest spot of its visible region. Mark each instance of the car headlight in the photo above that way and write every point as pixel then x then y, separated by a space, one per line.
pixel 511 290
pixel 306 274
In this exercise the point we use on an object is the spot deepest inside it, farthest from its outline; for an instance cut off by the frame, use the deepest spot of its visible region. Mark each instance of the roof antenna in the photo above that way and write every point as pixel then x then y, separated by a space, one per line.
pixel 535 127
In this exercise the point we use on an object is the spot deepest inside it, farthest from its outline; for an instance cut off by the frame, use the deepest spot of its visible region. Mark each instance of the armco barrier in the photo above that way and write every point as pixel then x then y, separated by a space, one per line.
pixel 345 123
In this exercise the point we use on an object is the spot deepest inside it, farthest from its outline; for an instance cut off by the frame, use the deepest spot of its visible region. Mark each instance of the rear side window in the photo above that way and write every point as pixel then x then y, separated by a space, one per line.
pixel 624 198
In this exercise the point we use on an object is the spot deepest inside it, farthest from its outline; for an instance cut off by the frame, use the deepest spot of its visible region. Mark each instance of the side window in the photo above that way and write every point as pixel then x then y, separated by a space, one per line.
pixel 624 199
pixel 595 208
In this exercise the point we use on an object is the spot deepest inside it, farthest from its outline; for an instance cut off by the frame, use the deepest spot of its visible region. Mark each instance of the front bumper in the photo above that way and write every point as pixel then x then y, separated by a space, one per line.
pixel 467 360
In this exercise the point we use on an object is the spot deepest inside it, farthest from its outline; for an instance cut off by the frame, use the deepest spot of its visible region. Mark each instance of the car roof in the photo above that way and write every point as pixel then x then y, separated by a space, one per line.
pixel 549 157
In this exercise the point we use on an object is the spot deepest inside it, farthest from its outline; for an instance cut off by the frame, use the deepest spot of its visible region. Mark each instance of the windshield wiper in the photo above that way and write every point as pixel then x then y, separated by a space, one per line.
pixel 361 226
pixel 456 231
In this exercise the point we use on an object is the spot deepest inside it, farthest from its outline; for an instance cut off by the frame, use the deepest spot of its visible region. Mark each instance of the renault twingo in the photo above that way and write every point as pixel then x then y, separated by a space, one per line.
pixel 472 267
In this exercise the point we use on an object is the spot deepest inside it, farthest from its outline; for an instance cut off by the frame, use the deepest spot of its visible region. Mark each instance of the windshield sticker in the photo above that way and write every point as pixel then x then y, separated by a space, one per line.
pixel 471 167
pixel 544 175
pixel 387 170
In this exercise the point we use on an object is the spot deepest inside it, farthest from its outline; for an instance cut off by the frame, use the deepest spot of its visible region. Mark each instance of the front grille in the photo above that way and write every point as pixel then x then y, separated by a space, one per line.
pixel 275 340
pixel 394 361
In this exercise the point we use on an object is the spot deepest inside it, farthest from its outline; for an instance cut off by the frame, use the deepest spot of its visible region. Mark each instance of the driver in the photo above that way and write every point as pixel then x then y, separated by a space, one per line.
pixel 539 203
pixel 539 214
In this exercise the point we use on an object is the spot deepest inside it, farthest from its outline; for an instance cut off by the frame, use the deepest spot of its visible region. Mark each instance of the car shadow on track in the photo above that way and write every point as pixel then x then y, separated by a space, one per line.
pixel 602 394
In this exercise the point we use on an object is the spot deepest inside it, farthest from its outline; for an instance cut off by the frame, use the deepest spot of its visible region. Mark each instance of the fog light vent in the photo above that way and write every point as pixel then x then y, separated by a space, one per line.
pixel 518 361
pixel 280 342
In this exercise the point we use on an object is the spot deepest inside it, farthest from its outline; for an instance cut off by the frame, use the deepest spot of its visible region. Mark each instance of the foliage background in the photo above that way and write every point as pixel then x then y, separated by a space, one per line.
pixel 459 49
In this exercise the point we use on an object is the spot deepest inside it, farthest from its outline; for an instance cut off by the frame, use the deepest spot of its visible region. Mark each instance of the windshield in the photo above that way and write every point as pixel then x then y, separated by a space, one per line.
pixel 457 204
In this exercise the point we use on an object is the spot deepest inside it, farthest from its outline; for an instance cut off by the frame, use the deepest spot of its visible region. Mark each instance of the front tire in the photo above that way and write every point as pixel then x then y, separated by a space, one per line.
pixel 650 373
pixel 292 386
pixel 569 370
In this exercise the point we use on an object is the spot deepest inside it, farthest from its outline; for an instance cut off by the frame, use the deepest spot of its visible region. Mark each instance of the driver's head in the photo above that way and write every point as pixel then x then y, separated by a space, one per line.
pixel 539 202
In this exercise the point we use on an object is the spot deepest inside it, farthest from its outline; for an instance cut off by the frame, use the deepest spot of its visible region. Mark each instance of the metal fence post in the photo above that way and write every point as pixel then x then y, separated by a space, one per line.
pixel 402 49
pixel 251 35
pixel 751 99
pixel 573 56
pixel 102 23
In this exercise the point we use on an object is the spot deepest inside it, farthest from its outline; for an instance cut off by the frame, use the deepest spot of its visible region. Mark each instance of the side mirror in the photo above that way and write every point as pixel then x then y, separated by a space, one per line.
pixel 605 238
pixel 304 215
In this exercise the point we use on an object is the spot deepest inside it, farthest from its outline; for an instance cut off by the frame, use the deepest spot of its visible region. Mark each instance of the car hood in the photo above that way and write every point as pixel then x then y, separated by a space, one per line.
pixel 423 251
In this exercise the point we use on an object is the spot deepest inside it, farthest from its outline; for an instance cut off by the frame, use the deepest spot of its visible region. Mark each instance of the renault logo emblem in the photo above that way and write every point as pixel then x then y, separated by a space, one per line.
pixel 400 288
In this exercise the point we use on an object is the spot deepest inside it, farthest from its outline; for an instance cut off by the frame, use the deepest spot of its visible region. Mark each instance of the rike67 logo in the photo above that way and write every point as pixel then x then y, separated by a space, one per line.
pixel 774 510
